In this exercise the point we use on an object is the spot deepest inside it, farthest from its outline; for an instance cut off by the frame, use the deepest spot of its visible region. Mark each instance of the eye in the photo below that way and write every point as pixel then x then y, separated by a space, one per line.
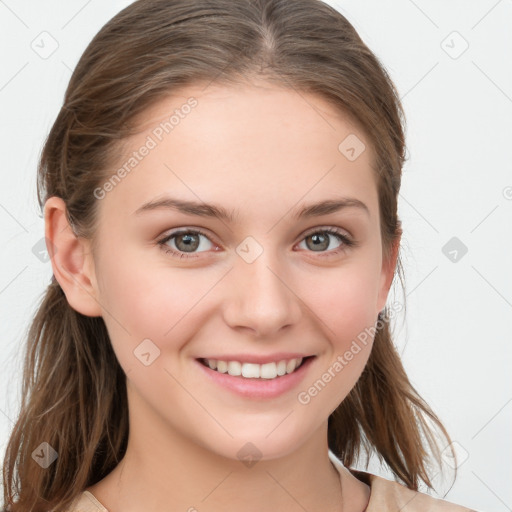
pixel 186 243
pixel 320 240
pixel 183 242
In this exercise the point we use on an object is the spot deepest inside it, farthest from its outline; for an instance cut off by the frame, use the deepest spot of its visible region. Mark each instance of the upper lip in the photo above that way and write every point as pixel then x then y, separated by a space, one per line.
pixel 258 359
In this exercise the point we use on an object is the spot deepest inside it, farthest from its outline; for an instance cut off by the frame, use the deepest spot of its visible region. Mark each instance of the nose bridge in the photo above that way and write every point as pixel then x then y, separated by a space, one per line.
pixel 261 298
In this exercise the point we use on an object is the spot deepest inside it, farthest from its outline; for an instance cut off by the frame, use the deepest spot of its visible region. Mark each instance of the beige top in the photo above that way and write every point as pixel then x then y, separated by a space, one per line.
pixel 385 496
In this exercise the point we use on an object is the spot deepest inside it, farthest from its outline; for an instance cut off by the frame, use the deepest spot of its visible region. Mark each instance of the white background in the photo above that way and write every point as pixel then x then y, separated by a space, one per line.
pixel 457 182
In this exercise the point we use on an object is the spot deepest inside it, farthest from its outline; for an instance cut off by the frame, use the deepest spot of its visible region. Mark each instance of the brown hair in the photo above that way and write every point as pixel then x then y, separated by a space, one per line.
pixel 74 390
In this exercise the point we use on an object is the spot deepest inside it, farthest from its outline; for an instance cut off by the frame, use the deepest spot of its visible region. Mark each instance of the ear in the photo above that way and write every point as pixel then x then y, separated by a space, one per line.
pixel 388 271
pixel 71 258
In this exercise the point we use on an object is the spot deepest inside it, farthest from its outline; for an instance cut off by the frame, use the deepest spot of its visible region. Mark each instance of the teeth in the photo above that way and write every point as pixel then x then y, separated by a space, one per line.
pixel 254 371
pixel 281 368
pixel 250 370
pixel 290 366
pixel 222 366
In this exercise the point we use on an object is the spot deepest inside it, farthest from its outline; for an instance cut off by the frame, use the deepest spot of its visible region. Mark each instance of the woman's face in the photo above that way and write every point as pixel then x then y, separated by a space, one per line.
pixel 263 281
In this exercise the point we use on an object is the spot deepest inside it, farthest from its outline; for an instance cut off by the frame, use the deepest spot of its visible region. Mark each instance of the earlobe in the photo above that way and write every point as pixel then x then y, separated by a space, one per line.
pixel 71 259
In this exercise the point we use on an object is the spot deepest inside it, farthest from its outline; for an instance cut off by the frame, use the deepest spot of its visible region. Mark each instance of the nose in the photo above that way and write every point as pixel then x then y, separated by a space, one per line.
pixel 262 298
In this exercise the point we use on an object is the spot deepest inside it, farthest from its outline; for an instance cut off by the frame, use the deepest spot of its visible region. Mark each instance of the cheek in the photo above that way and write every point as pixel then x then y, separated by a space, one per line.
pixel 345 307
pixel 344 300
pixel 149 302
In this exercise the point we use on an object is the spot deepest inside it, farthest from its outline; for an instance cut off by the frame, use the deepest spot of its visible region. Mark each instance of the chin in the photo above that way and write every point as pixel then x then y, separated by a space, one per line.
pixel 255 445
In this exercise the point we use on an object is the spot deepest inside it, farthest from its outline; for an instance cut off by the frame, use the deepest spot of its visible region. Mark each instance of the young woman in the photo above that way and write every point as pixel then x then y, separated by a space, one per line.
pixel 220 199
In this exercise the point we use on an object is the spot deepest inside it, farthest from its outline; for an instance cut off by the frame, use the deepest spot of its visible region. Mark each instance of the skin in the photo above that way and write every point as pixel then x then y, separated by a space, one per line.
pixel 263 151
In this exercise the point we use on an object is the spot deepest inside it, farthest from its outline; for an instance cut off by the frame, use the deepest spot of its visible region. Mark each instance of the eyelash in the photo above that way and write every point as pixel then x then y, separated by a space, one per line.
pixel 347 242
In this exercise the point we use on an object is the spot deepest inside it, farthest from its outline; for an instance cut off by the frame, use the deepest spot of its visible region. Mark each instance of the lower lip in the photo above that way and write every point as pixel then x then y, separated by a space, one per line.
pixel 257 388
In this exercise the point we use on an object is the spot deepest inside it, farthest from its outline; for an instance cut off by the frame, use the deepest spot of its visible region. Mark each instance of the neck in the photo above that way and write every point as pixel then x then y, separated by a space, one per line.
pixel 164 469
pixel 172 473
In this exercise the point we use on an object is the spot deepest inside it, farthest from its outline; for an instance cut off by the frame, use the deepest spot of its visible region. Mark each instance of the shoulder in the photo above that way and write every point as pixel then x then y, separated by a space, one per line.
pixel 390 496
pixel 387 495
pixel 86 502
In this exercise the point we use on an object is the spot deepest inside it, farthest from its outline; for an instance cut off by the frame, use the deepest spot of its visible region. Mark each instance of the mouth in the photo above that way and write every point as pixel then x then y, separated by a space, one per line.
pixel 252 381
pixel 253 371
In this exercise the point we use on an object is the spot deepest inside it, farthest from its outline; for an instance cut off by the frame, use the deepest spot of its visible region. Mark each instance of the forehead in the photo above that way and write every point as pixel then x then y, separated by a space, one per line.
pixel 253 144
pixel 247 110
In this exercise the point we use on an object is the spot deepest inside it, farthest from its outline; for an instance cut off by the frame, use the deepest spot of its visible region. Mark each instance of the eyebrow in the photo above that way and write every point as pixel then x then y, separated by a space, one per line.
pixel 201 209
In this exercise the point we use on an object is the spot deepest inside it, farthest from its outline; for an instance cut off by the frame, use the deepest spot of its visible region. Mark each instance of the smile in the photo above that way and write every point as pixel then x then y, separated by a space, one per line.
pixel 270 370
pixel 256 381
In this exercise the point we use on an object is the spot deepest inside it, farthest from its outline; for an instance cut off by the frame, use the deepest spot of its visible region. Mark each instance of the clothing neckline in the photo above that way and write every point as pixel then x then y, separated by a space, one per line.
pixel 362 476
pixel 95 501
